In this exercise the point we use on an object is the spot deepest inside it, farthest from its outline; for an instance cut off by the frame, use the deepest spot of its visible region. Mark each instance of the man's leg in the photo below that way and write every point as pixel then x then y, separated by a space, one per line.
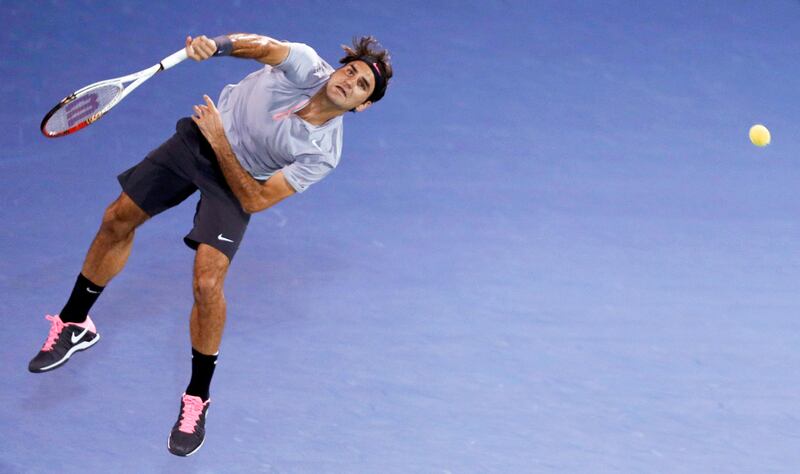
pixel 106 257
pixel 112 245
pixel 219 226
pixel 208 313
pixel 206 323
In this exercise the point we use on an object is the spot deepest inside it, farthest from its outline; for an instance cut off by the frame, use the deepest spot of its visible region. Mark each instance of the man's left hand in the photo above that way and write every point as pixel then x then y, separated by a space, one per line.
pixel 209 121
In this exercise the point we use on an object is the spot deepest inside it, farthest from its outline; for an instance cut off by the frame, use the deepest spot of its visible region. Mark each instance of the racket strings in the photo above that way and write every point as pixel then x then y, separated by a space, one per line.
pixel 82 108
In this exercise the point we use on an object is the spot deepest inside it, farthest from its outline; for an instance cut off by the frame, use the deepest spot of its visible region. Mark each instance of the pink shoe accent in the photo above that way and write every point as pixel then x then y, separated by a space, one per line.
pixel 192 409
pixel 86 324
pixel 56 326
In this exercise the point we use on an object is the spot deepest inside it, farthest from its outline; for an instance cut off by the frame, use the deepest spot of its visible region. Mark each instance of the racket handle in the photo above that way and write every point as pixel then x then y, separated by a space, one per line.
pixel 173 59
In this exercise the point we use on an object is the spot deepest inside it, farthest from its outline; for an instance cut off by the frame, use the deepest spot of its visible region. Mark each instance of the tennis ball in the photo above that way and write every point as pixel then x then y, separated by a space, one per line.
pixel 759 135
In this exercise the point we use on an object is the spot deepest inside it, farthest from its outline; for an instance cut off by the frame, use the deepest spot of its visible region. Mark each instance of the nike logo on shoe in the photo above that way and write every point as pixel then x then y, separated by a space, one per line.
pixel 75 339
pixel 220 237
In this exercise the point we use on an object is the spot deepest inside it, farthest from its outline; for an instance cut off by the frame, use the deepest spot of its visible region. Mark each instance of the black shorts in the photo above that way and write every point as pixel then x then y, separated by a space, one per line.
pixel 174 171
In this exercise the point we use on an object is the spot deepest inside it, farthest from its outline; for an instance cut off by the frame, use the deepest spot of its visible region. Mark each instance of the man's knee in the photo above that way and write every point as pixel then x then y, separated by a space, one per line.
pixel 210 269
pixel 121 218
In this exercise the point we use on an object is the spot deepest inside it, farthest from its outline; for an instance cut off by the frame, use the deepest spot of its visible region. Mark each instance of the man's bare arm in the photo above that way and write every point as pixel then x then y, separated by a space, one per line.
pixel 243 45
pixel 261 48
pixel 253 195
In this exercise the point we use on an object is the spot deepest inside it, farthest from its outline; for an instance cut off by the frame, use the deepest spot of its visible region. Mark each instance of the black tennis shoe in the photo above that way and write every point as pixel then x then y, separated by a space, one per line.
pixel 63 341
pixel 189 431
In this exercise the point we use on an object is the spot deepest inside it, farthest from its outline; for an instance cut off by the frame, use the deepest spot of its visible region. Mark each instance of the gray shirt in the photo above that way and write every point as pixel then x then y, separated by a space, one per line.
pixel 267 136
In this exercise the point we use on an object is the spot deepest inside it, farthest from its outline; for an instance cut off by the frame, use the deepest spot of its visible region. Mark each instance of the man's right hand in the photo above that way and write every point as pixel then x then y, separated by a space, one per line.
pixel 200 48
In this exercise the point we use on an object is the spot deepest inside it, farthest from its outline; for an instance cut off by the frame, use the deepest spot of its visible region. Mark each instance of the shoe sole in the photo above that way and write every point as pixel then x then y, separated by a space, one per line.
pixel 190 452
pixel 77 348
pixel 187 454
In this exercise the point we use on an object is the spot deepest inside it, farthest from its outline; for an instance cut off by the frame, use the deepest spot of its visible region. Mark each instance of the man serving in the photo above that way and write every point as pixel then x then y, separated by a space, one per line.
pixel 273 134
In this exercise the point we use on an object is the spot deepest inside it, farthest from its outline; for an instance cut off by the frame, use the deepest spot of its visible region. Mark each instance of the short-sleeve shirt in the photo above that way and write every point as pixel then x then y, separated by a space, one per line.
pixel 260 121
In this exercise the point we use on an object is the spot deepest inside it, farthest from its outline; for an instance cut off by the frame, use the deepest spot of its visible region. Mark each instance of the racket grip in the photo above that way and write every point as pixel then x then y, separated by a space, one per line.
pixel 173 59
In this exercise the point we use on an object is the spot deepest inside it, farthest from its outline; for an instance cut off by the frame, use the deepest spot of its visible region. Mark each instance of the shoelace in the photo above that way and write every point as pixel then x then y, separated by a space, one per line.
pixel 56 326
pixel 192 408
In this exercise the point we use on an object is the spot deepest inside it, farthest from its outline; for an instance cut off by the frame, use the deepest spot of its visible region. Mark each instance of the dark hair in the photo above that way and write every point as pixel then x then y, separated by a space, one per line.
pixel 368 47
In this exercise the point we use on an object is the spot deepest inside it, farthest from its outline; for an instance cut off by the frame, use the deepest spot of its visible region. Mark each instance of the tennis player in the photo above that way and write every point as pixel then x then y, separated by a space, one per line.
pixel 272 135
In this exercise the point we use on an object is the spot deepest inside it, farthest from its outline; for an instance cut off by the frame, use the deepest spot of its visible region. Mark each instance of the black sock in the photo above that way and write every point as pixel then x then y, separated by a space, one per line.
pixel 202 371
pixel 83 296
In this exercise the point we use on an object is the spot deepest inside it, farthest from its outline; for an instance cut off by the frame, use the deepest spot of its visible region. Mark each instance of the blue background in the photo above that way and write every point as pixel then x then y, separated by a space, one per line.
pixel 550 248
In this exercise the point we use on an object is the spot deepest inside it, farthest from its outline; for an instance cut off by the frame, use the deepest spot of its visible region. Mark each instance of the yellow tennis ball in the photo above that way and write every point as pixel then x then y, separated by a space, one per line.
pixel 759 135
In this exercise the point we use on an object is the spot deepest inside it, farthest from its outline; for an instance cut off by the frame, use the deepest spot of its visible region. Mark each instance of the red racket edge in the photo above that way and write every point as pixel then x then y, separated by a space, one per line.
pixel 74 128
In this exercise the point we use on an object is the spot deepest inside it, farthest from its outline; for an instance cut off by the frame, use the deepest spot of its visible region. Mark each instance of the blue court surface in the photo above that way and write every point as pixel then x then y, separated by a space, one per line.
pixel 550 249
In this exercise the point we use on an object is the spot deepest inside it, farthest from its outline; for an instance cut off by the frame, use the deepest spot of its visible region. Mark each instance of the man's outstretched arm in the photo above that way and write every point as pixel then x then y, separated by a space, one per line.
pixel 241 45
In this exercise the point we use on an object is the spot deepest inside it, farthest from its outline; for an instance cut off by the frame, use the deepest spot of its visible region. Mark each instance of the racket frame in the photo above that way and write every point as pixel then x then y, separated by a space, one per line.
pixel 137 78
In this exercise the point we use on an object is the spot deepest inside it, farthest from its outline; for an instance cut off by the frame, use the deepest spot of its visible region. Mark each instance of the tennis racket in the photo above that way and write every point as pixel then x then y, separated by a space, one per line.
pixel 85 106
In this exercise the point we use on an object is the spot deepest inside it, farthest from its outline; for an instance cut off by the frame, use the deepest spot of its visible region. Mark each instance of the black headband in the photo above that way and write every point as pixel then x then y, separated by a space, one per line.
pixel 380 77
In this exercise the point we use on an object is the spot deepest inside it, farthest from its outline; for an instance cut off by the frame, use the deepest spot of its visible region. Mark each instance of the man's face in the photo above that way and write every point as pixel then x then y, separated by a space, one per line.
pixel 350 85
